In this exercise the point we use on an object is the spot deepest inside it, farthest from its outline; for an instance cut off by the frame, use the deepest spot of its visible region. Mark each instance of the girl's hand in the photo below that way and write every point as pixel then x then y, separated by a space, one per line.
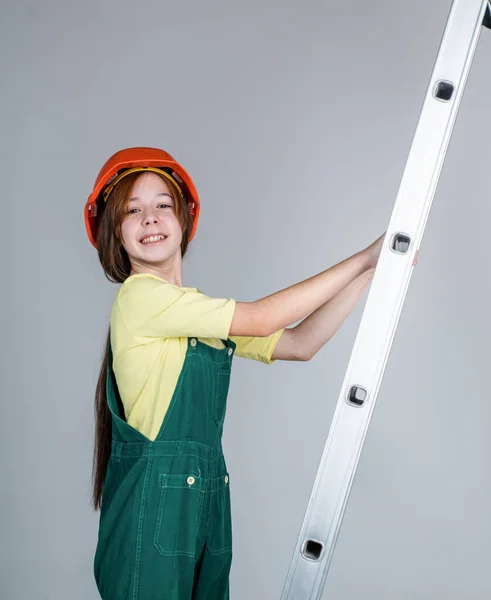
pixel 372 252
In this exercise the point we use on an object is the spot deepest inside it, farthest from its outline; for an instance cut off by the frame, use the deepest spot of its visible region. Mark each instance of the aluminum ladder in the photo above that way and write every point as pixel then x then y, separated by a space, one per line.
pixel 317 538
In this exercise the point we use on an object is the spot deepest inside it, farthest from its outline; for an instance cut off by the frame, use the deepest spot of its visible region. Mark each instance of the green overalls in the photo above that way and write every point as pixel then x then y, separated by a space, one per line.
pixel 165 530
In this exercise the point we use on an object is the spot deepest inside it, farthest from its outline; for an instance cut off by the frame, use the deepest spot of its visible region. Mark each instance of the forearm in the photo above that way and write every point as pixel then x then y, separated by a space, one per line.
pixel 297 301
pixel 318 328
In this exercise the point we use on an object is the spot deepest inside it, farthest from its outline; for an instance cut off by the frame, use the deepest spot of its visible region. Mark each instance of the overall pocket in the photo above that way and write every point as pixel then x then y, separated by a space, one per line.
pixel 220 535
pixel 222 385
pixel 178 515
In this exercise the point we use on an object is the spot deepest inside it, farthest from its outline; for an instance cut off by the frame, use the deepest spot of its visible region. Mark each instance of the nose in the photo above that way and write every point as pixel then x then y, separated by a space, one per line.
pixel 149 216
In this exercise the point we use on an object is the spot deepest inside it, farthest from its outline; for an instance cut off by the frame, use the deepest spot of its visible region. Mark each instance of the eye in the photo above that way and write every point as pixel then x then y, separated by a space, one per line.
pixel 132 211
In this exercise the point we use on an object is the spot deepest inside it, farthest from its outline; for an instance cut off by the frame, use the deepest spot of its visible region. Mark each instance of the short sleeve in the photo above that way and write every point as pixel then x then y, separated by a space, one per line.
pixel 153 307
pixel 257 348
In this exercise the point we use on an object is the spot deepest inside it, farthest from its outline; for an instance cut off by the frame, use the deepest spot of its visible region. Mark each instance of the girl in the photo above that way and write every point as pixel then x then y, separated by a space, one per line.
pixel 160 479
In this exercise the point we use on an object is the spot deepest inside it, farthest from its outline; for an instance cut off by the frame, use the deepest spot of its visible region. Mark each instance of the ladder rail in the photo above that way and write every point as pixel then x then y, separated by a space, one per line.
pixel 332 486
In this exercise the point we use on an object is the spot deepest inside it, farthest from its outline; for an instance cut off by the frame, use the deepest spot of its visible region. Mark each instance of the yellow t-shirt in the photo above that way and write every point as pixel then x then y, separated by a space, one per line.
pixel 151 320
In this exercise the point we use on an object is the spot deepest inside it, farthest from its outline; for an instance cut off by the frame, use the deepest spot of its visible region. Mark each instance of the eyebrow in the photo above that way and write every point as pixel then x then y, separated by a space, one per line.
pixel 160 194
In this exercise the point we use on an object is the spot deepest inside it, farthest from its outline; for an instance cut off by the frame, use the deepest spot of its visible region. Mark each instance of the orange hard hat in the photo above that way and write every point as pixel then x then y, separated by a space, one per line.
pixel 137 159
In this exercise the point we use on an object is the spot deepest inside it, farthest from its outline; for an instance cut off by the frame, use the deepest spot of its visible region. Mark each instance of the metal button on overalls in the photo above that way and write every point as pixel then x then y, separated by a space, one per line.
pixel 165 527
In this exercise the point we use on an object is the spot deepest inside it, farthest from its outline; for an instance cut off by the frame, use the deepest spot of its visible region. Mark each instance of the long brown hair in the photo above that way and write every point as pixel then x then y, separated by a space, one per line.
pixel 117 268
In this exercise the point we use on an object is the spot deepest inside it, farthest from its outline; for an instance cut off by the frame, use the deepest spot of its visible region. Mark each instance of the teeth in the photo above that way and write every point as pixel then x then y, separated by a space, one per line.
pixel 153 238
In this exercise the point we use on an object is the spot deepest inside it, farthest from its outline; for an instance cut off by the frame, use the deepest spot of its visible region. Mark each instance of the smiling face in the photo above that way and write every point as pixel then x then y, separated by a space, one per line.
pixel 151 233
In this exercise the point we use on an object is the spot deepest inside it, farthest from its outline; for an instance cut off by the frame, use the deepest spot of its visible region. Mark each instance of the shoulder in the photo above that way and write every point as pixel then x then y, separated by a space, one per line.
pixel 142 281
pixel 151 285
pixel 144 296
pixel 150 281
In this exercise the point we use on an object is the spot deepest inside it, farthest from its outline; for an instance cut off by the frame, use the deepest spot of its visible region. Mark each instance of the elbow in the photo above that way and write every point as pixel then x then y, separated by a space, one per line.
pixel 299 350
pixel 264 329
pixel 263 324
pixel 305 356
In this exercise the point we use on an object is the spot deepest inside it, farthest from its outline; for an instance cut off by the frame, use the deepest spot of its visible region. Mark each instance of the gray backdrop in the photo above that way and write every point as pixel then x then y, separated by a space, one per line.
pixel 295 119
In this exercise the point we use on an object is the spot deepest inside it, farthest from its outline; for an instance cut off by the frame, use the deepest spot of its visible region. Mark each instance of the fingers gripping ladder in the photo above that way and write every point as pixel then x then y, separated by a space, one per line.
pixel 315 545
